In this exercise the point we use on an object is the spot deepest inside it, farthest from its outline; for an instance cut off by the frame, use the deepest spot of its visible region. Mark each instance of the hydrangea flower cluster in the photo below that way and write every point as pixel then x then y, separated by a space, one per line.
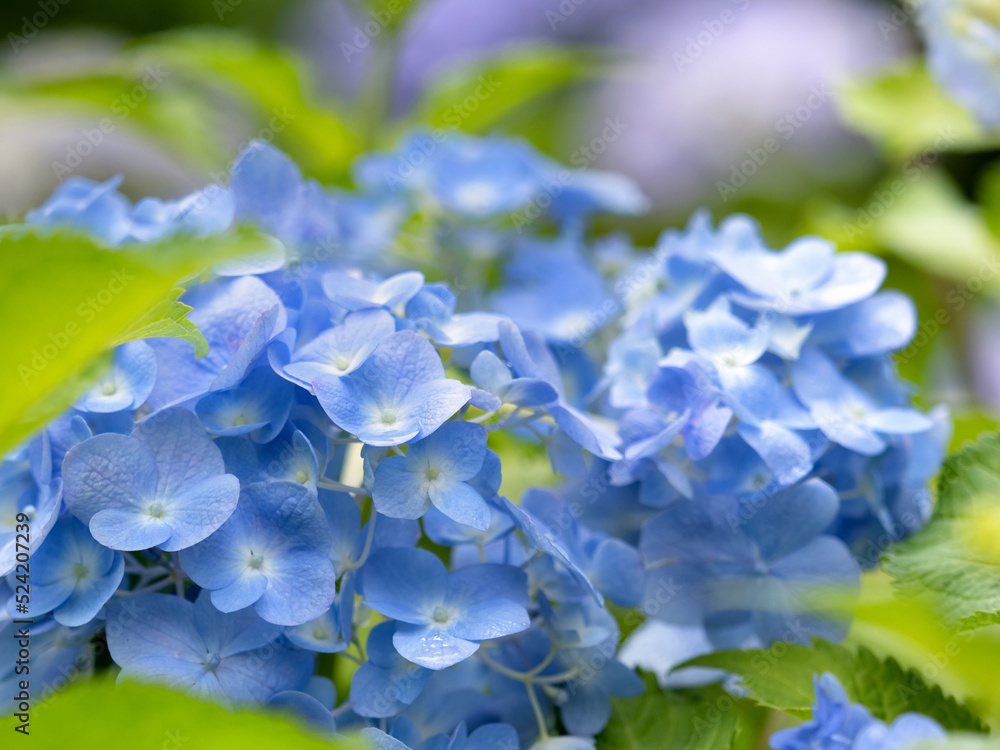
pixel 838 723
pixel 325 480
pixel 963 53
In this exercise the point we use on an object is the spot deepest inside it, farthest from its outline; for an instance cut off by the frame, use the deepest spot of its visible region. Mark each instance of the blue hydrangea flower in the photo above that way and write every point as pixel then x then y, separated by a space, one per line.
pixel 260 405
pixel 387 683
pixel 230 658
pixel 162 486
pixel 835 721
pixel 490 374
pixel 272 552
pixel 205 212
pixel 127 384
pixel 435 471
pixel 809 276
pixel 443 617
pixel 27 486
pixel 585 634
pixel 238 317
pixel 322 635
pixel 57 653
pixel 399 394
pixel 908 730
pixel 353 293
pixel 96 208
pixel 751 569
pixel 342 349
pixel 612 566
pixel 268 191
pixel 844 412
pixel 963 49
pixel 71 576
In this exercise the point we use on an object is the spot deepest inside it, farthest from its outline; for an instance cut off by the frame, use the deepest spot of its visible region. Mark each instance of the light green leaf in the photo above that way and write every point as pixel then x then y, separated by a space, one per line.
pixel 98 714
pixel 680 720
pixel 477 96
pixel 929 224
pixel 961 741
pixel 167 319
pixel 65 300
pixel 272 82
pixel 953 561
pixel 905 112
pixel 782 678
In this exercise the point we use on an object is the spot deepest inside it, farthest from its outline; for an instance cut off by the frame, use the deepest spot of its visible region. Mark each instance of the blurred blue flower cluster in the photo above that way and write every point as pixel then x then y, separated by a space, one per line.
pixel 838 723
pixel 731 433
pixel 963 53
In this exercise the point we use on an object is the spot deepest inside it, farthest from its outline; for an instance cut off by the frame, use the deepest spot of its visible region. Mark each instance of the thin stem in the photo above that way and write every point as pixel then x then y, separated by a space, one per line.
pixel 343 708
pixel 544 663
pixel 537 708
pixel 352 657
pixel 330 484
pixel 179 576
pixel 147 589
pixel 366 550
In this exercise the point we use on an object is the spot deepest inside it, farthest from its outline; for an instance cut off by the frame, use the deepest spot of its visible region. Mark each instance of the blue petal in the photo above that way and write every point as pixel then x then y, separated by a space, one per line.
pixel 430 646
pixel 405 584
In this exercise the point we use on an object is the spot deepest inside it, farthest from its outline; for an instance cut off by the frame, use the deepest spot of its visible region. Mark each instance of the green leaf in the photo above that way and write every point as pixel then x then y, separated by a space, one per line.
pixel 782 678
pixel 679 720
pixel 476 97
pixel 905 112
pixel 167 319
pixel 953 561
pixel 144 716
pixel 64 300
pixel 313 131
pixel 930 225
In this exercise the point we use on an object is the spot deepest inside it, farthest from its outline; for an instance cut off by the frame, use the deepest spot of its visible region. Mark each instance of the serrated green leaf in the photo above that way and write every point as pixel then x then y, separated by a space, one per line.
pixel 66 299
pixel 678 719
pixel 953 561
pixel 782 678
pixel 476 97
pixel 905 112
pixel 167 320
pixel 92 714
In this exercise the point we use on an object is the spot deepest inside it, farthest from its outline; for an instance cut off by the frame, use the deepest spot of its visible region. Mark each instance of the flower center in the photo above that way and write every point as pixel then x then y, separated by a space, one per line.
pixel 256 561
pixel 440 614
pixel 433 473
pixel 156 509
pixel 320 634
pixel 239 421
pixel 108 389
pixel 342 363
pixel 302 476
pixel 80 570
pixel 388 416
pixel 212 660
